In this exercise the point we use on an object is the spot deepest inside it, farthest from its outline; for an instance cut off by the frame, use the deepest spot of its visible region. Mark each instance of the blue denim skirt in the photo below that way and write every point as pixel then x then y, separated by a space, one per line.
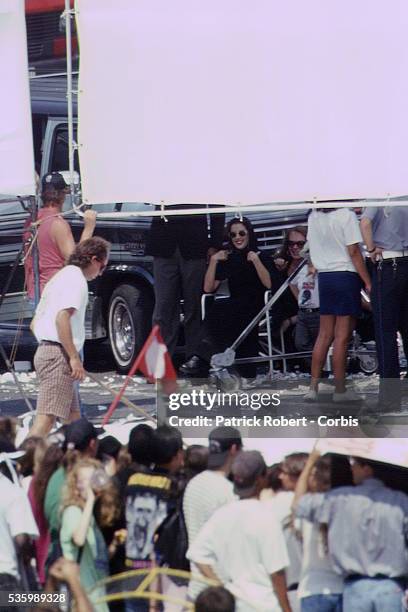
pixel 339 293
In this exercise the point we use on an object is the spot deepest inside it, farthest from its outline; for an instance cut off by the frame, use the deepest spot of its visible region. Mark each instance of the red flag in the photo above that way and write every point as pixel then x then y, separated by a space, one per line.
pixel 155 363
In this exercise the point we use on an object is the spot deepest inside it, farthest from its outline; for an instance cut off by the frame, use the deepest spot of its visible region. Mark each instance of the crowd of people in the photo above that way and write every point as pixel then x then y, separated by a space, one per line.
pixel 312 533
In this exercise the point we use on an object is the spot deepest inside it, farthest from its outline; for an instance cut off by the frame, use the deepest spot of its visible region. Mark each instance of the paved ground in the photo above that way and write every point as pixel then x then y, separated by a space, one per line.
pixel 291 388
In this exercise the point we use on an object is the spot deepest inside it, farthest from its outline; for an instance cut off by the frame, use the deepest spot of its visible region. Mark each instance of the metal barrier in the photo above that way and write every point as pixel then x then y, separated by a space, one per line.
pixel 148 585
pixel 274 353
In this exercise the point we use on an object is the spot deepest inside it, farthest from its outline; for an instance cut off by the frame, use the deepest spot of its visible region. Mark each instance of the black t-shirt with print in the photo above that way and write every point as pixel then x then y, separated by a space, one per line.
pixel 149 498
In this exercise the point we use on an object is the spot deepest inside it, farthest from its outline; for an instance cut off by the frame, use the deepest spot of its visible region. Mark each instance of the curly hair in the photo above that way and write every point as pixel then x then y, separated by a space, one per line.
pixel 86 250
pixel 284 252
pixel 107 509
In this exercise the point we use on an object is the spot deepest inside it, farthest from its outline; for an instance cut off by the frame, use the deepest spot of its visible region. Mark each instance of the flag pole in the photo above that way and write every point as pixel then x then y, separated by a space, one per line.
pixel 131 372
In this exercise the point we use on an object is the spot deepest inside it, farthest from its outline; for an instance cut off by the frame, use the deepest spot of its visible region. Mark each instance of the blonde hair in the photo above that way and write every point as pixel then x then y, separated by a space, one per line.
pixel 107 507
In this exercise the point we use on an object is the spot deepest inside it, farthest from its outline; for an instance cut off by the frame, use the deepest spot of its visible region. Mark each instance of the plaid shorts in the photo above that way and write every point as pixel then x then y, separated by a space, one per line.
pixel 56 392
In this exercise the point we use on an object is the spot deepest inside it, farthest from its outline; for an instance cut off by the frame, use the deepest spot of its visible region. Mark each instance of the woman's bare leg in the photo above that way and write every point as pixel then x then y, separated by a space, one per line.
pixel 321 348
pixel 342 332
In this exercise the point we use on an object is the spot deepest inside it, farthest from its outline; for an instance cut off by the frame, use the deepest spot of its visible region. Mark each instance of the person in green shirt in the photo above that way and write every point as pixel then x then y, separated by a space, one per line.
pixel 81 539
pixel 81 441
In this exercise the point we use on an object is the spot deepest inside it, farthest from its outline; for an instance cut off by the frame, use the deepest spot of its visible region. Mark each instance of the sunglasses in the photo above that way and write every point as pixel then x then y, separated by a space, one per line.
pixel 299 243
pixel 241 233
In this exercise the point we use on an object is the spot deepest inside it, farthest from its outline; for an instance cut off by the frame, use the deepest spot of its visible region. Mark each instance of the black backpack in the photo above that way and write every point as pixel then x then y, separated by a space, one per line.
pixel 172 540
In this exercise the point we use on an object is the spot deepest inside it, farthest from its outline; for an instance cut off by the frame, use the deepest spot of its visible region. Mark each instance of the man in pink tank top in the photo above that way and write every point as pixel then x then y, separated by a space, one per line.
pixel 55 241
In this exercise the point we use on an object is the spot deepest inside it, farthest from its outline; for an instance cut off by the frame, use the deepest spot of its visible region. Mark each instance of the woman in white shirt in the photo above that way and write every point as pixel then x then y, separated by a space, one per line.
pixel 334 236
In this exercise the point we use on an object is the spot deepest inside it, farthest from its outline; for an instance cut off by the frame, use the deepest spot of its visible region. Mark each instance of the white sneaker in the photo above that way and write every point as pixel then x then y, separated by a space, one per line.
pixel 348 396
pixel 310 396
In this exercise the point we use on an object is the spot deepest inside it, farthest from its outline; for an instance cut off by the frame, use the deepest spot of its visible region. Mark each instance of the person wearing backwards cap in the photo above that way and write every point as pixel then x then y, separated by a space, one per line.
pixel 242 544
pixel 17 524
pixel 210 489
pixel 55 241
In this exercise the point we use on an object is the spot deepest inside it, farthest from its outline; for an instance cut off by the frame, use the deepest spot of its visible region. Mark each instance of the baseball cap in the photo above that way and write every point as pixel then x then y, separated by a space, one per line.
pixel 79 433
pixel 247 466
pixel 220 441
pixel 53 180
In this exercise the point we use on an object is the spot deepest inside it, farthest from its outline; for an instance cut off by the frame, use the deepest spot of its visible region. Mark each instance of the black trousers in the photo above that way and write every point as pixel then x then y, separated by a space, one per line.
pixel 225 320
pixel 176 278
pixel 389 299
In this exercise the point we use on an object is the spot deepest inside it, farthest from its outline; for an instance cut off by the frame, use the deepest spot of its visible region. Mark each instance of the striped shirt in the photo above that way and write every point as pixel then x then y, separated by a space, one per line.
pixel 204 494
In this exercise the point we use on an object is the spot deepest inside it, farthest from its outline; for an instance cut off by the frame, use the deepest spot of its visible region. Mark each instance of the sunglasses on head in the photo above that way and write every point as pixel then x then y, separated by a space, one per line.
pixel 298 243
pixel 241 233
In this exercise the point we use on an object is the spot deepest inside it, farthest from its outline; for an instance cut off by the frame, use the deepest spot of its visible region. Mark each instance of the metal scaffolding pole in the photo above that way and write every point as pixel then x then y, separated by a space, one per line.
pixel 71 144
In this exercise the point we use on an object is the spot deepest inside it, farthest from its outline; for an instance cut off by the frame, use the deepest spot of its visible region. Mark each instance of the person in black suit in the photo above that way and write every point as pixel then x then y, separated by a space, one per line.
pixel 181 246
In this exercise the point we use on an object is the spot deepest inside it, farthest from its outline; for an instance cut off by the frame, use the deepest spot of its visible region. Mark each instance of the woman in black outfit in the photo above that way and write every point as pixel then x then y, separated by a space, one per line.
pixel 285 261
pixel 248 277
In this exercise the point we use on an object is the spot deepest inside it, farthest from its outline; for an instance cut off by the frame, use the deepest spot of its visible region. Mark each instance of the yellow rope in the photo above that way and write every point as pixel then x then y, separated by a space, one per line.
pixel 141 592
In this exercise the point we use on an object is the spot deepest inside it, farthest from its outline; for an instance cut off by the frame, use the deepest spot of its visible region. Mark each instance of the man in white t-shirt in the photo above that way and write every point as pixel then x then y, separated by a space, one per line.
pixel 17 523
pixel 59 327
pixel 245 541
pixel 211 489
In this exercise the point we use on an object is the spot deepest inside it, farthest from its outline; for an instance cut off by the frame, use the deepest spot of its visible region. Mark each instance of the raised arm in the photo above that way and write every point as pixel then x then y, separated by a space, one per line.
pixel 81 531
pixel 303 480
pixel 89 225
pixel 262 272
pixel 210 282
pixel 62 234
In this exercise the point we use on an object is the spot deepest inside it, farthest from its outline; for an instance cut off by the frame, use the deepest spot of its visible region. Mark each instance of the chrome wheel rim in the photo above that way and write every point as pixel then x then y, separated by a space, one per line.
pixel 122 331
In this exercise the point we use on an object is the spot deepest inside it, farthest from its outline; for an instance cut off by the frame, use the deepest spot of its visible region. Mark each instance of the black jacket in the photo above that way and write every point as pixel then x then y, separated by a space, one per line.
pixel 187 232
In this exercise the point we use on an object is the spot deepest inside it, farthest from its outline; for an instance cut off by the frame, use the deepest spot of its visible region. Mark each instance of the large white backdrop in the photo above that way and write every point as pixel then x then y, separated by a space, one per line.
pixel 243 101
pixel 16 143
